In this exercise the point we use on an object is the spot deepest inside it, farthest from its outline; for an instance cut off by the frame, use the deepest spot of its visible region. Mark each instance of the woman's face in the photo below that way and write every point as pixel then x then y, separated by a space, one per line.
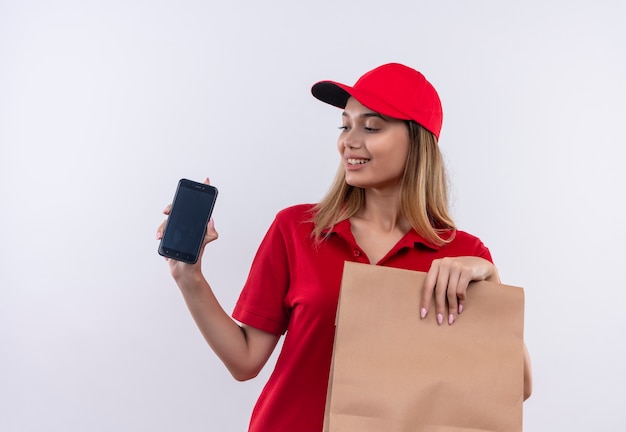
pixel 374 148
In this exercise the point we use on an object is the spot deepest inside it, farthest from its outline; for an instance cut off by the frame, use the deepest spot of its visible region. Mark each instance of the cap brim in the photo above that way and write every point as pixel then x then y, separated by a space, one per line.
pixel 332 93
pixel 337 94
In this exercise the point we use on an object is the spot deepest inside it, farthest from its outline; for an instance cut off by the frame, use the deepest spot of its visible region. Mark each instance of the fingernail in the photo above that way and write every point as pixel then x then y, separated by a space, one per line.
pixel 440 319
pixel 158 235
pixel 460 308
pixel 423 312
pixel 451 319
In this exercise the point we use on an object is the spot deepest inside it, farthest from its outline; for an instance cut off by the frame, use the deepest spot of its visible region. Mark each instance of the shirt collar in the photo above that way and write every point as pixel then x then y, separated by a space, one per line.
pixel 410 240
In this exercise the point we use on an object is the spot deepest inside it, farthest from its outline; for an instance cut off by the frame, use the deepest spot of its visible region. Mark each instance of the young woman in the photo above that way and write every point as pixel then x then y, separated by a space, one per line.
pixel 388 206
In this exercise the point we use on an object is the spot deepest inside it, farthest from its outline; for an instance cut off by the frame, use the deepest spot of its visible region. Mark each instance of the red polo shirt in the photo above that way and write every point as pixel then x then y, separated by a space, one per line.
pixel 293 287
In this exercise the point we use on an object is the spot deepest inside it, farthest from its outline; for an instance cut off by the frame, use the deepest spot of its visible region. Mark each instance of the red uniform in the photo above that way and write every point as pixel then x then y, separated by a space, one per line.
pixel 293 287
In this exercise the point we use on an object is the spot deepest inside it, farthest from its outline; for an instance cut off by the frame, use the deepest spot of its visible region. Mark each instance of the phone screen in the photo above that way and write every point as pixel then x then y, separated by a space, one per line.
pixel 186 225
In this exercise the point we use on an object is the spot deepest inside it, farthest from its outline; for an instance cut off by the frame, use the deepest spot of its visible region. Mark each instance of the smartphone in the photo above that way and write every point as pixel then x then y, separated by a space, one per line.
pixel 186 224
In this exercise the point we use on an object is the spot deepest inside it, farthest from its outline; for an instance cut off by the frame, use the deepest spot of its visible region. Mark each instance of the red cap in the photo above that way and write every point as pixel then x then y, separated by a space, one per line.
pixel 392 90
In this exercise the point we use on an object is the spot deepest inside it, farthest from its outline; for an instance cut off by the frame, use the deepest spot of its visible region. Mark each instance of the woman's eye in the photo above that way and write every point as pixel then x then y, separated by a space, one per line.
pixel 365 128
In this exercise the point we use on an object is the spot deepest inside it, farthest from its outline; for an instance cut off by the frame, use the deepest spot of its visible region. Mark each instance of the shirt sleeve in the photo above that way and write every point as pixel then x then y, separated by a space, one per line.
pixel 261 303
pixel 483 252
pixel 467 244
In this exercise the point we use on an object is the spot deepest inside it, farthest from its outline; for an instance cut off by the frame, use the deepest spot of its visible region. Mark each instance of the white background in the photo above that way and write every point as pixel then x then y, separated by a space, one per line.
pixel 105 105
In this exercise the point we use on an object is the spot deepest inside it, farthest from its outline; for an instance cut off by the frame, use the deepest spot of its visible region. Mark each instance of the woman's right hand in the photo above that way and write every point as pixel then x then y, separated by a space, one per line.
pixel 180 269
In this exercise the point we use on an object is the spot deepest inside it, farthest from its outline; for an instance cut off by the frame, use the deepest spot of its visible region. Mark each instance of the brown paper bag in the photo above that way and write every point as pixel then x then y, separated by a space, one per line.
pixel 394 372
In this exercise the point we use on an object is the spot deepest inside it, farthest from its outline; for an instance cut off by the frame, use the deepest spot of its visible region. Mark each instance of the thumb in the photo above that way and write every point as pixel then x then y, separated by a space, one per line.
pixel 211 232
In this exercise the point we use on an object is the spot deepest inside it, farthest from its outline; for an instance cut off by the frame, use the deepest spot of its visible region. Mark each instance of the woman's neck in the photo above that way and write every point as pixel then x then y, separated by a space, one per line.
pixel 378 225
pixel 382 209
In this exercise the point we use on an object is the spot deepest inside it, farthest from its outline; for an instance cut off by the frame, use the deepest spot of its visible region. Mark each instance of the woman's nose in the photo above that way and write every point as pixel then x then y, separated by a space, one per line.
pixel 350 140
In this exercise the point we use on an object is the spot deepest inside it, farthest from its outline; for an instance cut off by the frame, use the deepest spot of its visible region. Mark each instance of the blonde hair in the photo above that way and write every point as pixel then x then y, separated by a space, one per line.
pixel 423 189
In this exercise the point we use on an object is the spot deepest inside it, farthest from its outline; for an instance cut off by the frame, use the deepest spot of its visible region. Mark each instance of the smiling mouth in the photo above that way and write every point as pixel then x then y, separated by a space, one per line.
pixel 357 161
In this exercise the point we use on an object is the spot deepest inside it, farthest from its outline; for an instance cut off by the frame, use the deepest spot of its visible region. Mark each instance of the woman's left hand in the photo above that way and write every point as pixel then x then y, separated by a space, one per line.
pixel 448 279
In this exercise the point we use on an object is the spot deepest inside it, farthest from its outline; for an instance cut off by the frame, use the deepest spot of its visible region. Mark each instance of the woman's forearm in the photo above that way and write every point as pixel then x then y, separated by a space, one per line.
pixel 528 375
pixel 243 350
